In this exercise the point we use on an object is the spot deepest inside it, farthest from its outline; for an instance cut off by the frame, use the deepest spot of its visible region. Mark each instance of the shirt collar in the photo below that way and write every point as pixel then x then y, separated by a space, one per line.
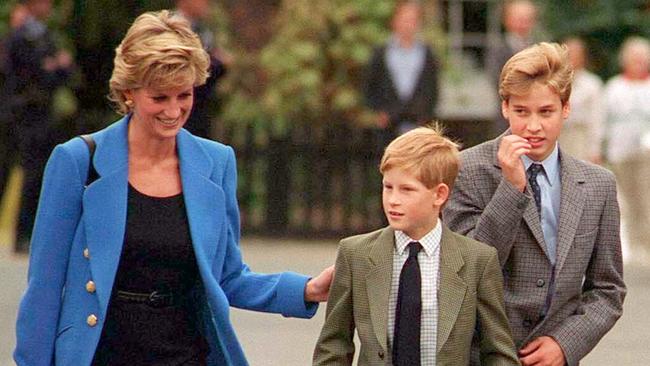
pixel 551 165
pixel 429 242
pixel 394 44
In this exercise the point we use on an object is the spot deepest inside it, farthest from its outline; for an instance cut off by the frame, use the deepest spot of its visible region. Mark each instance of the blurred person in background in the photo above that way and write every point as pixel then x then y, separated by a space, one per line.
pixel 627 99
pixel 519 22
pixel 582 131
pixel 35 68
pixel 140 265
pixel 8 146
pixel 402 76
pixel 205 96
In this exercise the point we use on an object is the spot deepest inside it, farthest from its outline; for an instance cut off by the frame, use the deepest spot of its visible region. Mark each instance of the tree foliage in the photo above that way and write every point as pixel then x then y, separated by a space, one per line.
pixel 308 70
pixel 604 24
pixel 312 69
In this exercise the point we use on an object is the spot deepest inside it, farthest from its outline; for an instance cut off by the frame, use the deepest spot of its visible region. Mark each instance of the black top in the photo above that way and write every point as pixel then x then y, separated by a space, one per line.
pixel 157 255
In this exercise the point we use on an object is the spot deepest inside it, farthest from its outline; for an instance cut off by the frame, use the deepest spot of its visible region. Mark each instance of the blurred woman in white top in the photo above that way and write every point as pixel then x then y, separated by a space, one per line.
pixel 627 98
pixel 582 132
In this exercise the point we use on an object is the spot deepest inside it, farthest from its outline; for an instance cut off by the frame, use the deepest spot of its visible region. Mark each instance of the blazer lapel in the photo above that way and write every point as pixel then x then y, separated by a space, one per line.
pixel 532 219
pixel 378 282
pixel 104 208
pixel 204 200
pixel 451 288
pixel 572 200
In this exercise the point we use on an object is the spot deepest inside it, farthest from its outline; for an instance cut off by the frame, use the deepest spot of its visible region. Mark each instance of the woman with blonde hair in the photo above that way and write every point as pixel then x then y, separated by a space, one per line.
pixel 135 256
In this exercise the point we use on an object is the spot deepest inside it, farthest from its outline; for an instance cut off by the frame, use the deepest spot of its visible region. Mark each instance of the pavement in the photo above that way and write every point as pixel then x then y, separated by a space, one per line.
pixel 271 340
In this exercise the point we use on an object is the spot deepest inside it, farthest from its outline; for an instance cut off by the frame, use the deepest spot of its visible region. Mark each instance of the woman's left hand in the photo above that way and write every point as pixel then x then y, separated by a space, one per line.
pixel 318 288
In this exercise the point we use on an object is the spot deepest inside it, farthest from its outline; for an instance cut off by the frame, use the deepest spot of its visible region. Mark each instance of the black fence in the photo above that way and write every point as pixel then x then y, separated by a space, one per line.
pixel 317 182
pixel 320 182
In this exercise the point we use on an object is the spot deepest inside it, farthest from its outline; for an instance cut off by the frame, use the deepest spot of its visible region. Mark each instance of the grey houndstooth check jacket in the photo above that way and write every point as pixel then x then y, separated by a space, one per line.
pixel 589 287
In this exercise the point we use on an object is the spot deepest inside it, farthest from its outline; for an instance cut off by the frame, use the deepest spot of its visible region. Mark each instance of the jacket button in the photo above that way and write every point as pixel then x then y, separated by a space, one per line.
pixel 540 283
pixel 381 354
pixel 86 253
pixel 91 320
pixel 527 323
pixel 90 286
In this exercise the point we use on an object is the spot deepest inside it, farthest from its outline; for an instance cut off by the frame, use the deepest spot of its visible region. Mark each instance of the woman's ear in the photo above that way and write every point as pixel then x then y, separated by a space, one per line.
pixel 128 94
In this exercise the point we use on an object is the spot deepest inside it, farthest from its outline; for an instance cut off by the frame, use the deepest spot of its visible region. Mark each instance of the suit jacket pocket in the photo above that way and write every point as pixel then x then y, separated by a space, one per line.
pixel 586 238
pixel 583 245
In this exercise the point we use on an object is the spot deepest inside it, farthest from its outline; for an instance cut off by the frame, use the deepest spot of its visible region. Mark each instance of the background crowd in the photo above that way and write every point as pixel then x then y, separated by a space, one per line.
pixel 334 64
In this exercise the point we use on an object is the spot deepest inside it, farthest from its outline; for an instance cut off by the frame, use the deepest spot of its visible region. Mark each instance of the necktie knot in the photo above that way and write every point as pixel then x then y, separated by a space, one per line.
pixel 414 249
pixel 534 169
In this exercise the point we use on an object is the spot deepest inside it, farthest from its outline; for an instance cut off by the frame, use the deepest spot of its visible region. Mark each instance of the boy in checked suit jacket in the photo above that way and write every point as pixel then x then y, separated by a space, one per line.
pixel 553 219
pixel 415 292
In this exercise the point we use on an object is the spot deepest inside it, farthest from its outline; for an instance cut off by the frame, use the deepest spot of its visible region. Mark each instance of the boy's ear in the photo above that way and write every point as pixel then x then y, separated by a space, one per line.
pixel 566 109
pixel 504 109
pixel 442 194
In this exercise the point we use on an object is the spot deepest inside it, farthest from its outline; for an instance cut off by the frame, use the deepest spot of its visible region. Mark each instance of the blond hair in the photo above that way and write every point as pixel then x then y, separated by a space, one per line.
pixel 159 50
pixel 427 153
pixel 544 63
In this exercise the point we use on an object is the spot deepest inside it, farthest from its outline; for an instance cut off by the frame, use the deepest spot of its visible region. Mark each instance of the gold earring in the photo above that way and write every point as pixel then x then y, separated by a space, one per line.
pixel 129 103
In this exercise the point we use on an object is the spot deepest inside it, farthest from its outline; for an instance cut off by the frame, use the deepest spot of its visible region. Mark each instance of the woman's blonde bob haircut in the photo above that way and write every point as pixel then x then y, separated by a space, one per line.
pixel 543 63
pixel 159 50
pixel 426 153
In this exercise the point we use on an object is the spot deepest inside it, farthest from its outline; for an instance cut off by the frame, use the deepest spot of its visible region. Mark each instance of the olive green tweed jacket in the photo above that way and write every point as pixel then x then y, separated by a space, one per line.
pixel 470 296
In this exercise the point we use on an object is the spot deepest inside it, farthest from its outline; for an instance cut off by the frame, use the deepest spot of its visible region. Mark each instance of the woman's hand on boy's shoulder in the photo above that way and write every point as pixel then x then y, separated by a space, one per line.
pixel 318 288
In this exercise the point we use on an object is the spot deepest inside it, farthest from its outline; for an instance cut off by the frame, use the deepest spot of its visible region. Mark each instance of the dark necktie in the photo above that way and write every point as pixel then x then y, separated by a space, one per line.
pixel 406 338
pixel 533 170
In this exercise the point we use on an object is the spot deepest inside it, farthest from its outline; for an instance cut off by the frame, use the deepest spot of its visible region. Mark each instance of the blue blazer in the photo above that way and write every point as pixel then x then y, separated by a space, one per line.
pixel 54 324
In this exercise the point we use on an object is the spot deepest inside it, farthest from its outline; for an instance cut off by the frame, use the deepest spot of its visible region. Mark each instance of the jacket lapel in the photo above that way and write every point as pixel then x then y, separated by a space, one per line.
pixel 204 200
pixel 572 200
pixel 451 288
pixel 378 282
pixel 104 208
pixel 532 219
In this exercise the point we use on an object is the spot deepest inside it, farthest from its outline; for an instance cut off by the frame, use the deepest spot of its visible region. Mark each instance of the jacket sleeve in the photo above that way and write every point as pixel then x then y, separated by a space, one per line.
pixel 282 293
pixel 432 88
pixel 494 222
pixel 373 86
pixel 335 345
pixel 57 217
pixel 603 289
pixel 496 344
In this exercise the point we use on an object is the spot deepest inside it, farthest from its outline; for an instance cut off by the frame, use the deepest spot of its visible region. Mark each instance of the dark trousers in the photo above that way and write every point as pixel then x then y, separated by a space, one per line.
pixel 35 143
pixel 8 150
